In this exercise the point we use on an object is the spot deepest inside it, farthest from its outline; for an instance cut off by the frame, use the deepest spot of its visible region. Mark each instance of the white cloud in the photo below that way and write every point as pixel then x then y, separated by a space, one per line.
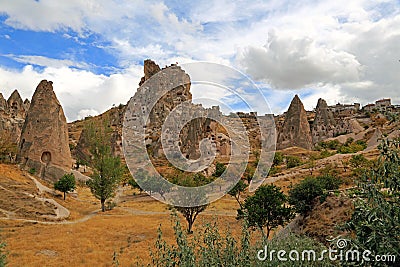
pixel 77 90
pixel 86 112
pixel 286 62
pixel 47 62
pixel 342 50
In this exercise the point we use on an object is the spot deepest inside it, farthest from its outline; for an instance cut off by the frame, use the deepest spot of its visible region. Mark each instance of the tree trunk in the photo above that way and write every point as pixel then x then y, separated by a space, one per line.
pixel 103 207
pixel 190 227
pixel 64 195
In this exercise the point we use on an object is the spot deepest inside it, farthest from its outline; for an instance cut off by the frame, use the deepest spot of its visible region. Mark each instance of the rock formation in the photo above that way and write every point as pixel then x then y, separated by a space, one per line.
pixel 16 105
pixel 12 115
pixel 3 104
pixel 44 138
pixel 324 125
pixel 296 129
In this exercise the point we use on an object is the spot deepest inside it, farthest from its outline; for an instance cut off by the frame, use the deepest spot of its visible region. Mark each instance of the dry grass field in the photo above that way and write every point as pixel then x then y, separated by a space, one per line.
pixel 90 237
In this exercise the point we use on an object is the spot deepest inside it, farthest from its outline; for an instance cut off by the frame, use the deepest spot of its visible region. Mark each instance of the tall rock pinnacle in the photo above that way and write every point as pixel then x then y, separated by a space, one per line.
pixel 44 138
pixel 324 122
pixel 296 129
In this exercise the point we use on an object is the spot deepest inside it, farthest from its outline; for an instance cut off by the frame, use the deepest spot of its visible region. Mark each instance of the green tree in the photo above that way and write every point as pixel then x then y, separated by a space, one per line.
pixel 266 209
pixel 238 189
pixel 190 213
pixel 107 168
pixel 302 196
pixel 65 184
pixel 376 218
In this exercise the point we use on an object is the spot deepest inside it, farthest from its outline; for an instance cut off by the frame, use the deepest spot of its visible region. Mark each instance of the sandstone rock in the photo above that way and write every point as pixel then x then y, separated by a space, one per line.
pixel 44 138
pixel 16 105
pixel 3 104
pixel 12 116
pixel 296 129
pixel 324 125
pixel 150 68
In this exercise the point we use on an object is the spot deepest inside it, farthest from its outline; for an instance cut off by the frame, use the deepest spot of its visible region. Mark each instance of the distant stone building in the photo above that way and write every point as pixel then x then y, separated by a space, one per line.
pixel 345 110
pixel 369 107
pixel 383 104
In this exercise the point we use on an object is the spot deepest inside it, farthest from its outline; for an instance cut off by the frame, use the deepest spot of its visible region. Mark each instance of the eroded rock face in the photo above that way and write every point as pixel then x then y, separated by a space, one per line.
pixel 16 105
pixel 324 125
pixel 12 116
pixel 296 129
pixel 3 104
pixel 44 138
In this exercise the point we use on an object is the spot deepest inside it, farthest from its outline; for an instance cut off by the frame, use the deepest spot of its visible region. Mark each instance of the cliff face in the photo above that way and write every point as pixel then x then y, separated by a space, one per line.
pixel 44 139
pixel 296 129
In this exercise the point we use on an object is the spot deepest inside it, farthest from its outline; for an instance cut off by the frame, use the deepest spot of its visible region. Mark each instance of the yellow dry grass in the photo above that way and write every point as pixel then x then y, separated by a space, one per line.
pixel 90 237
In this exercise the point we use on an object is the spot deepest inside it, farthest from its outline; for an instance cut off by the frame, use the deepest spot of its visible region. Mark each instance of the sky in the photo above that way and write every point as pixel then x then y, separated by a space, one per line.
pixel 93 50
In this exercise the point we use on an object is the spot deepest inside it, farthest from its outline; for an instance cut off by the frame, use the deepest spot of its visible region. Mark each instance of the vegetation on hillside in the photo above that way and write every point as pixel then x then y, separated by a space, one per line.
pixel 65 184
pixel 107 168
pixel 376 219
pixel 209 247
pixel 3 254
pixel 266 209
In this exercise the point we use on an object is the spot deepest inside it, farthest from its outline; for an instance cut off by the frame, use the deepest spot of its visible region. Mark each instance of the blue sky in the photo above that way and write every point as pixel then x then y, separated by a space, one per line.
pixel 343 51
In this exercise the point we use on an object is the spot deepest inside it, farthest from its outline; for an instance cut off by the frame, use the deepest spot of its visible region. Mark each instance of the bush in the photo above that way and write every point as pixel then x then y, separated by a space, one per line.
pixel 278 158
pixel 292 161
pixel 211 248
pixel 32 171
pixel 3 254
pixel 329 182
pixel 376 219
pixel 302 196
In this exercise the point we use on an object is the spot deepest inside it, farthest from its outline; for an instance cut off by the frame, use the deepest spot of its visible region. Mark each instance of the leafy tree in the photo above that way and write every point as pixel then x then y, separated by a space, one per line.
pixel 65 184
pixel 266 209
pixel 302 195
pixel 191 213
pixel 292 161
pixel 107 169
pixel 376 218
pixel 239 188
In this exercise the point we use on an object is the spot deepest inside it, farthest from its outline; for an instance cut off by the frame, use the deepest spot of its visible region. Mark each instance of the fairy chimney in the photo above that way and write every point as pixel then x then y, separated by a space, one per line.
pixel 324 123
pixel 44 138
pixel 296 129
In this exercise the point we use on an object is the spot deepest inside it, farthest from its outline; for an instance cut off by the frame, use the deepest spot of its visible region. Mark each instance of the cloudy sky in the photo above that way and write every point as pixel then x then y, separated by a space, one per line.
pixel 93 50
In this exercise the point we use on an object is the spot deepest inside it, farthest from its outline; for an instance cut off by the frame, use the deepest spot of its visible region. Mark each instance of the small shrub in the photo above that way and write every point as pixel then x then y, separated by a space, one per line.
pixel 3 254
pixel 278 159
pixel 32 171
pixel 292 161
pixel 211 248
